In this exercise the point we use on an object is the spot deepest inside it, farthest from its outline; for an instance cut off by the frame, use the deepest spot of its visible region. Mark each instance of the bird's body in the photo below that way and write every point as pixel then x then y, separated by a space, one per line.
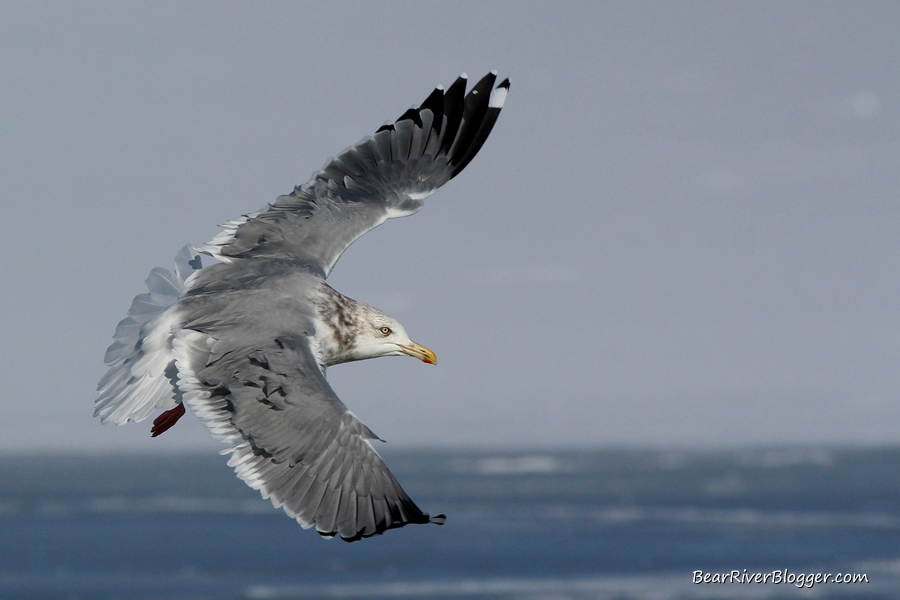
pixel 245 343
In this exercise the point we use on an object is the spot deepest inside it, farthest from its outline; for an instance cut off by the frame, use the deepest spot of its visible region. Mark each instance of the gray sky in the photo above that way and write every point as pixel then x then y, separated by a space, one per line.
pixel 683 229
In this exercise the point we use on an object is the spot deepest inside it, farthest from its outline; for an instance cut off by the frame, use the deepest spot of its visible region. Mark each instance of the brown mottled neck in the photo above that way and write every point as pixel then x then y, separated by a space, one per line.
pixel 342 320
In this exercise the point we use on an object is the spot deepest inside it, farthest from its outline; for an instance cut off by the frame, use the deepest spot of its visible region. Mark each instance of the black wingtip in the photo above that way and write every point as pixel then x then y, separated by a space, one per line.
pixel 434 102
pixel 411 115
pixel 483 105
pixel 476 104
pixel 460 122
pixel 424 519
pixel 454 106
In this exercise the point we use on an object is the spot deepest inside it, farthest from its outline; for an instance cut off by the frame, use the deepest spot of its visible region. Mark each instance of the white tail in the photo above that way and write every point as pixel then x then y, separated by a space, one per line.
pixel 141 364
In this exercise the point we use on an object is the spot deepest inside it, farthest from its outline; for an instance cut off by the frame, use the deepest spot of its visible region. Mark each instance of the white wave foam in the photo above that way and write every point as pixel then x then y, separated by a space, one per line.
pixel 777 458
pixel 658 587
pixel 520 465
pixel 155 504
pixel 745 517
pixel 177 504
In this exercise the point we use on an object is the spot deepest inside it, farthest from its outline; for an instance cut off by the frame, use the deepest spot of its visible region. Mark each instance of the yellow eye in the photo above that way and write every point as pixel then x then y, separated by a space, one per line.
pixel 386 330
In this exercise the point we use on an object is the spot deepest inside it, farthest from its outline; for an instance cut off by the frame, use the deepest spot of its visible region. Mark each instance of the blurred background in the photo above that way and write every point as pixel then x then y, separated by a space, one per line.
pixel 683 229
pixel 680 237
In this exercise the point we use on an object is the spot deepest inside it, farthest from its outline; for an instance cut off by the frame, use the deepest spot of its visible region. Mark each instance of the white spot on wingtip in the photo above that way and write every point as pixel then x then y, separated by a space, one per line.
pixel 494 72
pixel 498 97
pixel 464 76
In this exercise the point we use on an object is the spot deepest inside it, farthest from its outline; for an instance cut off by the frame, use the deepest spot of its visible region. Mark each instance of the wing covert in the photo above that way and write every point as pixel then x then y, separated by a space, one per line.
pixel 383 176
pixel 292 438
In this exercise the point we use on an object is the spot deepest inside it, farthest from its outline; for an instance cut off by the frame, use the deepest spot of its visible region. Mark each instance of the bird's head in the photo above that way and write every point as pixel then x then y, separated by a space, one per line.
pixel 382 335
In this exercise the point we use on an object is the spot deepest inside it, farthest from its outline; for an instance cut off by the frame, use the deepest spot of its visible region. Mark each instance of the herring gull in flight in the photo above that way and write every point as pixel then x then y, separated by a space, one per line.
pixel 244 343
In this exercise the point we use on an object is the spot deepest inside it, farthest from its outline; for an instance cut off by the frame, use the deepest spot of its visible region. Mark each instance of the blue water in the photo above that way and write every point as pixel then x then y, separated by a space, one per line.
pixel 609 525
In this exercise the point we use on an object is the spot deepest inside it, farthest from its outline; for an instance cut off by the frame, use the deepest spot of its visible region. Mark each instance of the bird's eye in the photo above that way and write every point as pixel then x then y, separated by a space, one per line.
pixel 386 330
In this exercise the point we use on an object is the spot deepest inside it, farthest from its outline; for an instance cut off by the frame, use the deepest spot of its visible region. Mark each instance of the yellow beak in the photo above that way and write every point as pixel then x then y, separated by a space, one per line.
pixel 418 351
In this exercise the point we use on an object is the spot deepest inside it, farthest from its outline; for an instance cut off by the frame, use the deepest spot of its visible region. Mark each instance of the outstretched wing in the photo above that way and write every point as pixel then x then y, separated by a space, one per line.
pixel 292 438
pixel 383 176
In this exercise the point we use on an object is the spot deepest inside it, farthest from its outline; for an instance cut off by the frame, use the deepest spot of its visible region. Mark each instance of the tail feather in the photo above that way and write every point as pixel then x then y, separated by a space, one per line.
pixel 140 357
pixel 164 283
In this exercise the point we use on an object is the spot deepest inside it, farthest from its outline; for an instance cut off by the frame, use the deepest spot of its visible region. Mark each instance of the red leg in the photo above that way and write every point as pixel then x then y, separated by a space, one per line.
pixel 164 421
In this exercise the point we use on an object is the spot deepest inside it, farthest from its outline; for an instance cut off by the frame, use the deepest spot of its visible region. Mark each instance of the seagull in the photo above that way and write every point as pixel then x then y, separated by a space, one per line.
pixel 244 342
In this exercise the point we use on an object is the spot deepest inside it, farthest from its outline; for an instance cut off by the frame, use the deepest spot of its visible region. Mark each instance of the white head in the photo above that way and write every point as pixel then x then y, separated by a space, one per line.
pixel 378 334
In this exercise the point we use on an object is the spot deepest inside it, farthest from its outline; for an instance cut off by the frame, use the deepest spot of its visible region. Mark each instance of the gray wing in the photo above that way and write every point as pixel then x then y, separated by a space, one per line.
pixel 383 176
pixel 293 439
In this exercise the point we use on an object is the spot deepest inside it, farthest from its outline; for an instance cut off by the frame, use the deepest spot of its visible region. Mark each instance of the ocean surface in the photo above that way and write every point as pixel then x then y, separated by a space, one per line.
pixel 610 525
